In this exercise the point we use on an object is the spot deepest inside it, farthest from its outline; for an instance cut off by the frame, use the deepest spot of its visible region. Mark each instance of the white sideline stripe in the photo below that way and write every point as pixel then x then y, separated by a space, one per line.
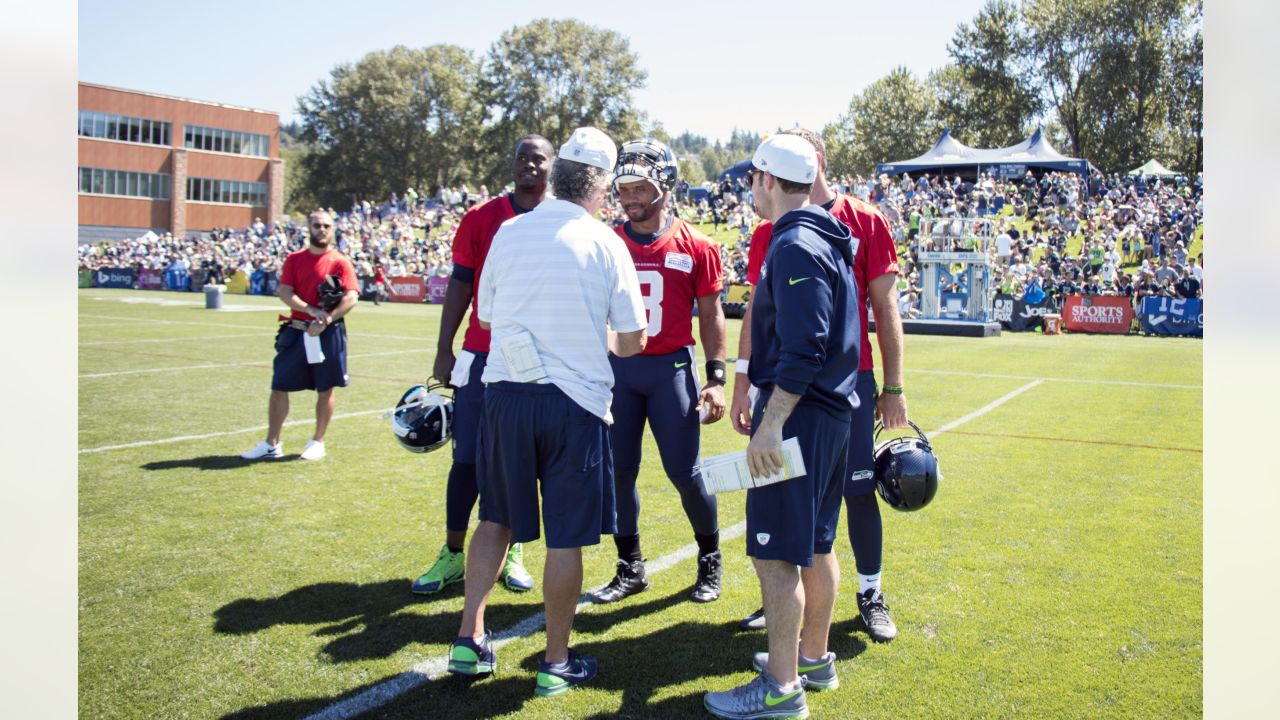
pixel 1087 381
pixel 228 365
pixel 256 428
pixel 985 409
pixel 429 670
pixel 200 338
pixel 225 325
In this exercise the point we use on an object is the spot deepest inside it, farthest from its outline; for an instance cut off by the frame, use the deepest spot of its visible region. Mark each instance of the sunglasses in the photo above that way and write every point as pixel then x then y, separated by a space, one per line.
pixel 751 177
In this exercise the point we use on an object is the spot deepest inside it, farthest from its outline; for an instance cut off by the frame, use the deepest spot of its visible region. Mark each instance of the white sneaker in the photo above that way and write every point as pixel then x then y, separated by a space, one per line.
pixel 313 451
pixel 264 450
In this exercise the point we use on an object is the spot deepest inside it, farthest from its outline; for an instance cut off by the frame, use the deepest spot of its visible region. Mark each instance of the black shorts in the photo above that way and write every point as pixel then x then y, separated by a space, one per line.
pixel 292 372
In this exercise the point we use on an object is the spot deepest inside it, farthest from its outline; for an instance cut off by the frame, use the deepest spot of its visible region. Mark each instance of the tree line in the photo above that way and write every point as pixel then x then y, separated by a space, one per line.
pixel 1115 81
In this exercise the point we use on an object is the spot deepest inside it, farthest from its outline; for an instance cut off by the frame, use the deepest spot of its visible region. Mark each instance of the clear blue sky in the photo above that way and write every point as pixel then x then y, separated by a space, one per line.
pixel 712 66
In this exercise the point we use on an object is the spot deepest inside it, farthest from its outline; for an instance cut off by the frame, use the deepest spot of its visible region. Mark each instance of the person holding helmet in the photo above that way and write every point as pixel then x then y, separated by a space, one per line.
pixel 530 162
pixel 559 292
pixel 804 361
pixel 677 266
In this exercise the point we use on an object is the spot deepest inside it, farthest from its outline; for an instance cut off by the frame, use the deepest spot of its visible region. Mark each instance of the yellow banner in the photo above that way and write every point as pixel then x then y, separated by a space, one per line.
pixel 238 283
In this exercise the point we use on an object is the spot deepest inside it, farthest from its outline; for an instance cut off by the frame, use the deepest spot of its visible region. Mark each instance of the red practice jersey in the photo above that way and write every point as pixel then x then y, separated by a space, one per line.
pixel 674 271
pixel 304 271
pixel 470 248
pixel 876 255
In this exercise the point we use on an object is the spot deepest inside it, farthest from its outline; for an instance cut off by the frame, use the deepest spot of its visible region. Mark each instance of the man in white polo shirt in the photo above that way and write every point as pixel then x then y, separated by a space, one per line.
pixel 559 291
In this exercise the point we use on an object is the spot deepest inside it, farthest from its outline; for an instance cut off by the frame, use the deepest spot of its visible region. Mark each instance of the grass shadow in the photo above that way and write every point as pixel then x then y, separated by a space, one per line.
pixel 210 462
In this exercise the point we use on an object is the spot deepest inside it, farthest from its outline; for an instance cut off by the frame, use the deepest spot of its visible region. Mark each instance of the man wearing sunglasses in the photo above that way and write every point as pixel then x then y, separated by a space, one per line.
pixel 311 345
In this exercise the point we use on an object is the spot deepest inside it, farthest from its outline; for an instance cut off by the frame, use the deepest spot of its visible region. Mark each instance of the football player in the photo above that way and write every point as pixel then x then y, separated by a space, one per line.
pixel 529 167
pixel 875 269
pixel 677 266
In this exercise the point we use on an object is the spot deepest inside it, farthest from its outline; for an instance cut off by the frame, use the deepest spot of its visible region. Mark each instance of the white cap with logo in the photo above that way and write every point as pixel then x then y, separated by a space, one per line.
pixel 789 157
pixel 590 146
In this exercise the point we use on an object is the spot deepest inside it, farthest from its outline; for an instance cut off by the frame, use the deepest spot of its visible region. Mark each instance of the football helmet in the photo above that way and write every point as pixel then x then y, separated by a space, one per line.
pixel 647 159
pixel 907 472
pixel 330 292
pixel 423 419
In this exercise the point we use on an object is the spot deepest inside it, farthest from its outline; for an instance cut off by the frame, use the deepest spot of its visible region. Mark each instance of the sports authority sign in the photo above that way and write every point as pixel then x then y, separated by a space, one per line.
pixel 1098 314
pixel 408 289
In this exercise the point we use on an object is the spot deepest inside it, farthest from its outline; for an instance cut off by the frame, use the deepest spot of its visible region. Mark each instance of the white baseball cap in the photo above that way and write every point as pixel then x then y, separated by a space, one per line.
pixel 590 146
pixel 789 157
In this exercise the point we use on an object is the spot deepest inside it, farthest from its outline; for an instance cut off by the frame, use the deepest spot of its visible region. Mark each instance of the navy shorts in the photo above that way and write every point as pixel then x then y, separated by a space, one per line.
pixel 862 462
pixel 531 433
pixel 291 372
pixel 662 389
pixel 796 519
pixel 468 406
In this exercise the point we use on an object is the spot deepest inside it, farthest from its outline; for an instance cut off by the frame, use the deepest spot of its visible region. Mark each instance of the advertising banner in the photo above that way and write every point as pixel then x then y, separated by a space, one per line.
pixel 436 288
pixel 113 278
pixel 262 282
pixel 408 289
pixel 1098 314
pixel 237 283
pixel 175 279
pixel 1172 316
pixel 84 278
pixel 1018 315
pixel 150 279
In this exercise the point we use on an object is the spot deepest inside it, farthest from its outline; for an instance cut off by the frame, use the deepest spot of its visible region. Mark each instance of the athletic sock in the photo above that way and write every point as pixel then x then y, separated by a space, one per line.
pixel 707 544
pixel 454 550
pixel 628 547
pixel 867 582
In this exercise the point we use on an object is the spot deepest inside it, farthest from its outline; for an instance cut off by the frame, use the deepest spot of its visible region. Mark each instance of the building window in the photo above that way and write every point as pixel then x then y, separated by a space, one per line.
pixel 231 192
pixel 196 137
pixel 107 126
pixel 124 183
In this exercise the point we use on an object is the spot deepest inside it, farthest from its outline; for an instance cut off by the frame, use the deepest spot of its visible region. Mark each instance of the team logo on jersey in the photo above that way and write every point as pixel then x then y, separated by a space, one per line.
pixel 679 261
pixel 762 538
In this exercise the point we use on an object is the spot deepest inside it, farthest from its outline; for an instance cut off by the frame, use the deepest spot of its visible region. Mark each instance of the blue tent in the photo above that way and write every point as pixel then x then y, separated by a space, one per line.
pixel 950 155
pixel 735 171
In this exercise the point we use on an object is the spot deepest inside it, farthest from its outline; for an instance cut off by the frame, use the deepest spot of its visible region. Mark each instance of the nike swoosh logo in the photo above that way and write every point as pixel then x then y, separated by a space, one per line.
pixel 811 668
pixel 771 700
pixel 680 365
pixel 797 281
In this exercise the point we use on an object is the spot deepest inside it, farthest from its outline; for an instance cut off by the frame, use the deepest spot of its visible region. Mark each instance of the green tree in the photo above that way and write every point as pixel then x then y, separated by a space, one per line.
pixel 987 96
pixel 396 119
pixel 551 76
pixel 892 119
pixel 691 170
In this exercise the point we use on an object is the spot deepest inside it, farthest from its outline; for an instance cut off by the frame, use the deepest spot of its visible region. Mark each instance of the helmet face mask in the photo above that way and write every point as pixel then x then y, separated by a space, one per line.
pixel 647 159
pixel 423 419
pixel 907 471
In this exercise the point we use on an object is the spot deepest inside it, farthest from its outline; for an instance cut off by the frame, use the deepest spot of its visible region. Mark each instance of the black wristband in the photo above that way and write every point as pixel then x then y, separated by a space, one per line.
pixel 716 374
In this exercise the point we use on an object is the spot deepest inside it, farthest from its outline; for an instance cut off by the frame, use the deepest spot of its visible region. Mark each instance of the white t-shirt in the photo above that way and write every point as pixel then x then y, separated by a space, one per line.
pixel 1003 242
pixel 562 276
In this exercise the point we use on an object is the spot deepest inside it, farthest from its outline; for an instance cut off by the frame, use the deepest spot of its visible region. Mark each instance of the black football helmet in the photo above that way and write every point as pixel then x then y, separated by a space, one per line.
pixel 907 472
pixel 330 292
pixel 423 419
pixel 647 159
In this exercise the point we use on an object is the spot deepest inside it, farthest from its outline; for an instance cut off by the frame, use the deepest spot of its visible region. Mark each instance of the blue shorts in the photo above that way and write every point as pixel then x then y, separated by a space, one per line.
pixel 531 433
pixel 468 406
pixel 796 519
pixel 291 372
pixel 862 462
pixel 662 389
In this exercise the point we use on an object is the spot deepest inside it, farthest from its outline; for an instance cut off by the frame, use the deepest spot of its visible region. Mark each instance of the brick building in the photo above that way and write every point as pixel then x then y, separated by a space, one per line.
pixel 167 164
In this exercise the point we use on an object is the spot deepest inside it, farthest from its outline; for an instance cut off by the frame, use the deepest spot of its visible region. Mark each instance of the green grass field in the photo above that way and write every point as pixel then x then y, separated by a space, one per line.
pixel 1056 575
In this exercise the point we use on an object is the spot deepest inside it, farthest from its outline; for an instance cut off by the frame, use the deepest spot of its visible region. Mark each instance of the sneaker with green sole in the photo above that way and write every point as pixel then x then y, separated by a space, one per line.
pixel 450 568
pixel 557 679
pixel 472 659
pixel 514 577
pixel 760 698
pixel 817 674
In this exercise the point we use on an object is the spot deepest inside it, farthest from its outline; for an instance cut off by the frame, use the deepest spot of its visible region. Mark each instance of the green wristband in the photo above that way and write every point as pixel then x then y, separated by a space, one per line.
pixel 891 390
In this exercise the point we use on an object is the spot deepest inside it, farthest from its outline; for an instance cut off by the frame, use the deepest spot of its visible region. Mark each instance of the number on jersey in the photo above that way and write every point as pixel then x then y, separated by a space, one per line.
pixel 652 299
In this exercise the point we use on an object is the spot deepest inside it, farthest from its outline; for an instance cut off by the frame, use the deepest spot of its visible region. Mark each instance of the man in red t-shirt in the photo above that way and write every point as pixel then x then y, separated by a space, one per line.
pixel 677 266
pixel 875 271
pixel 529 168
pixel 314 329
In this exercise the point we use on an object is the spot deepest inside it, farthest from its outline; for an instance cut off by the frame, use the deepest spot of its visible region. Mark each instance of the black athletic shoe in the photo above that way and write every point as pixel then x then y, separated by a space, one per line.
pixel 875 615
pixel 710 567
pixel 629 580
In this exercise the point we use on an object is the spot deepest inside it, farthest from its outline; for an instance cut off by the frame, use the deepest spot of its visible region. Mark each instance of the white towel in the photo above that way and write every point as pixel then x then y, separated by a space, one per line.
pixel 312 344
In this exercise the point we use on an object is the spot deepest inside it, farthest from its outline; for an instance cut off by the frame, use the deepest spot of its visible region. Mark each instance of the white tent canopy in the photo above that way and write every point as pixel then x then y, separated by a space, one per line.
pixel 1153 168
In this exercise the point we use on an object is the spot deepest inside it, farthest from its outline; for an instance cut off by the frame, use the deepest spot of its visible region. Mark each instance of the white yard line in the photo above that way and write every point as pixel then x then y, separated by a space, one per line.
pixel 429 670
pixel 230 325
pixel 230 365
pixel 174 339
pixel 256 428
pixel 1087 381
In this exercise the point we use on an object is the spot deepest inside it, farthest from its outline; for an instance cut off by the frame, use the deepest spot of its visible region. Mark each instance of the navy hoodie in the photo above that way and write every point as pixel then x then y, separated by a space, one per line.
pixel 804 317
